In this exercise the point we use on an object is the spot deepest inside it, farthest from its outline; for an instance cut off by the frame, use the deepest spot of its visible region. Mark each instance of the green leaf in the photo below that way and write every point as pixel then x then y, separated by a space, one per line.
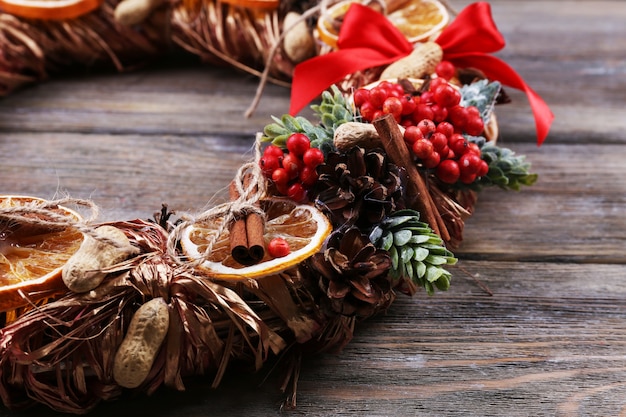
pixel 402 237
pixel 272 130
pixel 393 254
pixel 419 268
pixel 406 253
pixel 376 234
pixel 436 260
pixel 420 253
pixel 291 123
pixel 409 270
pixel 395 221
pixel 417 239
pixel 443 283
pixel 387 241
pixel 433 273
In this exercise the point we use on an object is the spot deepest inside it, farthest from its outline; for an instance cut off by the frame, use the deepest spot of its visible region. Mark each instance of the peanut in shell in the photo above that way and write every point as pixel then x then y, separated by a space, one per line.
pixel 421 62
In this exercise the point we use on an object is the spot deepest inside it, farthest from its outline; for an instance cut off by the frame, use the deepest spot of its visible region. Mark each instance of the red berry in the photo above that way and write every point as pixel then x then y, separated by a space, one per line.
pixel 447 96
pixel 427 127
pixel 296 192
pixel 280 176
pixel 422 111
pixel 406 122
pixel 273 150
pixel 292 165
pixel 467 178
pixel 433 160
pixel 458 116
pixel 313 157
pixel 408 105
pixel 361 95
pixel 378 95
pixel 469 163
pixel 448 171
pixel 367 111
pixel 472 111
pixel 308 176
pixel 483 168
pixel 472 147
pixel 440 113
pixel 445 70
pixel 298 143
pixel 412 134
pixel 268 164
pixel 439 141
pixel 446 128
pixel 427 97
pixel 278 247
pixel 393 106
pixel 378 114
pixel 423 149
pixel 458 144
pixel 435 83
pixel 474 126
pixel 282 188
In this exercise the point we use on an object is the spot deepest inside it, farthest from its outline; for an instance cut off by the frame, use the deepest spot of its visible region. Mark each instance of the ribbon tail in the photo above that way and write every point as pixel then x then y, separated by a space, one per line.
pixel 496 69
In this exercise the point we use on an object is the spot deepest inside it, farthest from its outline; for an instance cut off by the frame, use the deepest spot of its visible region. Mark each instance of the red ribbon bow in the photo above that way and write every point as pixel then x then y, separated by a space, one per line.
pixel 367 39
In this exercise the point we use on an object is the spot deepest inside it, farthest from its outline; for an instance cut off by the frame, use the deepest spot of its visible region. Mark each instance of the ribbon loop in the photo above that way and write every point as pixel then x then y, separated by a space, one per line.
pixel 367 39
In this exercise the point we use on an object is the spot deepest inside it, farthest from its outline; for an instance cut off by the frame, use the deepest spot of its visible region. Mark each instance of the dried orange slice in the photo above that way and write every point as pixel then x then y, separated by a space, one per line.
pixel 303 226
pixel 418 20
pixel 49 9
pixel 31 257
pixel 254 4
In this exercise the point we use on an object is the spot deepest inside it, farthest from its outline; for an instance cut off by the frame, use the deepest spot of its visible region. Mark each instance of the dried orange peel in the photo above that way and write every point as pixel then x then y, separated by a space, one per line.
pixel 418 20
pixel 49 9
pixel 31 257
pixel 303 226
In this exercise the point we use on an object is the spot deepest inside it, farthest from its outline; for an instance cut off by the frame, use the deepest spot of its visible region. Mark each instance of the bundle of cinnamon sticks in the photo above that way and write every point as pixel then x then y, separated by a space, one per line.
pixel 247 244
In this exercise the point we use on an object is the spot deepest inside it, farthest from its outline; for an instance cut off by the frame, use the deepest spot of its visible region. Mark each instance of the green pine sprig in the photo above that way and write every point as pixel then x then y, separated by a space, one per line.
pixel 333 111
pixel 507 170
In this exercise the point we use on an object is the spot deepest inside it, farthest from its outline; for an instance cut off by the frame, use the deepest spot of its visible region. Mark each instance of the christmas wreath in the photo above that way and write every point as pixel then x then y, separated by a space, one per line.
pixel 332 219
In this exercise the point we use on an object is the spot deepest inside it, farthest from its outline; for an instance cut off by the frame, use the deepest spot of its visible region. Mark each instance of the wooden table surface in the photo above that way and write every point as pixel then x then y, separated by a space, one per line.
pixel 550 341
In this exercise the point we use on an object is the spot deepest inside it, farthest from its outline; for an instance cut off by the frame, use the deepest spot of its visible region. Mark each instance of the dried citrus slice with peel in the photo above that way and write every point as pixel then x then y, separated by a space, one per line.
pixel 418 20
pixel 303 226
pixel 32 256
pixel 49 9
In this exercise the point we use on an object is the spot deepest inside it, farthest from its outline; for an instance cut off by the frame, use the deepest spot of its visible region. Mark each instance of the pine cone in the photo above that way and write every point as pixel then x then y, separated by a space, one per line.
pixel 353 274
pixel 359 188
pixel 417 253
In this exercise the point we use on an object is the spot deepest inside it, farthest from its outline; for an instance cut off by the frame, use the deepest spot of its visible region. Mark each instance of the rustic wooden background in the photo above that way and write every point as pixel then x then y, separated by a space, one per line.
pixel 551 341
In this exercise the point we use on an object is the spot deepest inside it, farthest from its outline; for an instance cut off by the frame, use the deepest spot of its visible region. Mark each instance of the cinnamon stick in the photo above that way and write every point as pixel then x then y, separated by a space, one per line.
pixel 247 244
pixel 393 142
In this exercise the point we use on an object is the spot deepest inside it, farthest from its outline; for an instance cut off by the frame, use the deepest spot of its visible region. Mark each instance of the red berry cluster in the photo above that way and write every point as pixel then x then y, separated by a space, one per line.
pixel 292 172
pixel 439 103
pixel 434 122
pixel 452 157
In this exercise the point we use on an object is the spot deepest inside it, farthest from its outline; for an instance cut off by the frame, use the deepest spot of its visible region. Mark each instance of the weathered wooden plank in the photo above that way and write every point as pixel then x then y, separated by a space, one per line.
pixel 170 99
pixel 549 342
pixel 575 211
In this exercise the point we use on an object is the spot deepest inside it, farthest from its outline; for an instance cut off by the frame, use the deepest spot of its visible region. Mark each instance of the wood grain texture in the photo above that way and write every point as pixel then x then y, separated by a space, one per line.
pixel 551 341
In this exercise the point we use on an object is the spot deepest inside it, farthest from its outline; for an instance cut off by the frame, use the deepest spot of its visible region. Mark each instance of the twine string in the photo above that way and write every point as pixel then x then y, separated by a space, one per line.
pixel 250 192
pixel 46 214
